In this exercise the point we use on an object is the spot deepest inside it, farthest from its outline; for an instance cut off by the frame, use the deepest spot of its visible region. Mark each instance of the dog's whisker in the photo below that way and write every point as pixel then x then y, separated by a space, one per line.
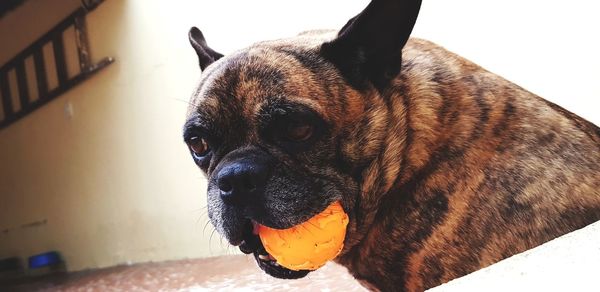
pixel 205 225
pixel 203 213
pixel 183 100
pixel 221 241
pixel 210 241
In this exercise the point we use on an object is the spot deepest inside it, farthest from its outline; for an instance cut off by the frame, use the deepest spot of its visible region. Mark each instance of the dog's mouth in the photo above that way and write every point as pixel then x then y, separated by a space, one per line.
pixel 251 244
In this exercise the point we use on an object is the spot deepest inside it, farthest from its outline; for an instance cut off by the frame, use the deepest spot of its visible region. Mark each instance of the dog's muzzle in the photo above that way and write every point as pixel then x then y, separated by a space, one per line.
pixel 241 183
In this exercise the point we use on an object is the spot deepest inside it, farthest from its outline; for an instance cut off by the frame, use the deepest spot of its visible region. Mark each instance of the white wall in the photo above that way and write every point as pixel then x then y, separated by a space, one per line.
pixel 116 184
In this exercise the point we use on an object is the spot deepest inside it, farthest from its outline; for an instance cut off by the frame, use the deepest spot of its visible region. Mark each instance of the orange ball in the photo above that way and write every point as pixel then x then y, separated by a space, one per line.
pixel 309 245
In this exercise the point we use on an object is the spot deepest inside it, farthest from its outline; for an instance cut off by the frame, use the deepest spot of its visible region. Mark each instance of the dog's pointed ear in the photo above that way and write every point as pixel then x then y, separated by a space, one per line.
pixel 369 47
pixel 206 55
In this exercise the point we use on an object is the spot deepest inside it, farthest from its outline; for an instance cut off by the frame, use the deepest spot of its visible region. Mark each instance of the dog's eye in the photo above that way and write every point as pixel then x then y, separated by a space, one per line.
pixel 199 147
pixel 299 132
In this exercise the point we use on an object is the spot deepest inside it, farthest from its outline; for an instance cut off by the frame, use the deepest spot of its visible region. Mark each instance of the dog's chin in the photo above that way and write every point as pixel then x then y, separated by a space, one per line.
pixel 272 268
pixel 251 244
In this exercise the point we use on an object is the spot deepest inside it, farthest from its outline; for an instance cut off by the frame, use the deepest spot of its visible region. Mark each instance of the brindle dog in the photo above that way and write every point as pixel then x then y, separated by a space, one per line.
pixel 442 166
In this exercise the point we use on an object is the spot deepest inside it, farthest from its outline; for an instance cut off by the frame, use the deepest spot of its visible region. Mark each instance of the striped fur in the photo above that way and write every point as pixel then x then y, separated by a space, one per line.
pixel 447 170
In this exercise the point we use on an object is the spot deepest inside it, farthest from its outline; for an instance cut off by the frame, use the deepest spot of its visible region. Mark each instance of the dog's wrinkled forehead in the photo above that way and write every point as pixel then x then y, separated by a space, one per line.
pixel 242 83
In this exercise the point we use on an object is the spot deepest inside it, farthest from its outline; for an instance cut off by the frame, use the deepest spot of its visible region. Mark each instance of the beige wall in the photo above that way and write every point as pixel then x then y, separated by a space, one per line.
pixel 114 183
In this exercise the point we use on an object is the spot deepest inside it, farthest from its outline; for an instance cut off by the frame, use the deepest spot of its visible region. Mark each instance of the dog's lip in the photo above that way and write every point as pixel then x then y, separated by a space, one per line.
pixel 272 268
pixel 255 227
pixel 251 244
pixel 249 241
pixel 236 242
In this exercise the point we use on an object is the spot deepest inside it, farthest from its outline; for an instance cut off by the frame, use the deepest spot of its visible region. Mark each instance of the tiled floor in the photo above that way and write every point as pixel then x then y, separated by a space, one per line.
pixel 226 273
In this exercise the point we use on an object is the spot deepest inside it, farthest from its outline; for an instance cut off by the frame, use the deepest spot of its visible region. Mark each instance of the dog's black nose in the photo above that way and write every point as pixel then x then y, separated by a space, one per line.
pixel 241 180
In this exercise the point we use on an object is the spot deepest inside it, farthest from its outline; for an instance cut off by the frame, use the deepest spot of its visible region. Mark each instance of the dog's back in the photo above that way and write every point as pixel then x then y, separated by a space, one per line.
pixel 488 170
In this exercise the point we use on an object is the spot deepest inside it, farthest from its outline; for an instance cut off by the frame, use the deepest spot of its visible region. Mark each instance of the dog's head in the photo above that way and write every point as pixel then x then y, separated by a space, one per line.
pixel 278 128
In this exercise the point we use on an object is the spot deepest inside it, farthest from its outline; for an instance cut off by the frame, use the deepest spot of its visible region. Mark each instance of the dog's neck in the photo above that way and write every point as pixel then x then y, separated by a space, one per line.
pixel 413 138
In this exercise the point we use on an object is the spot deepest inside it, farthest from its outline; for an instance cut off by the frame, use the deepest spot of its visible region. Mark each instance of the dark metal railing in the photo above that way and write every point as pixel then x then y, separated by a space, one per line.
pixel 9 112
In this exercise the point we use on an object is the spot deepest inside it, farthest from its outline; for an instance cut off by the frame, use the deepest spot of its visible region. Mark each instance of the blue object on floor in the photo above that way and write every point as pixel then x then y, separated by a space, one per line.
pixel 44 260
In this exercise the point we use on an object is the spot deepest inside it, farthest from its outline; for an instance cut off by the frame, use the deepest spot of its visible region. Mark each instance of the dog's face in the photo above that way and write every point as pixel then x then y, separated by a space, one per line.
pixel 277 130
pixel 267 130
